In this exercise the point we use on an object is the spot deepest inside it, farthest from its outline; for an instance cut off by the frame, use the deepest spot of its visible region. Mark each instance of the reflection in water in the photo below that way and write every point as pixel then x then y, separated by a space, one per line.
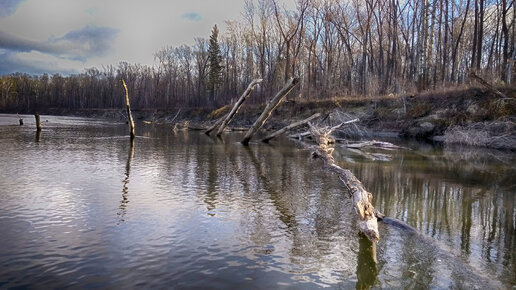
pixel 217 213
pixel 367 269
pixel 38 136
pixel 464 200
pixel 125 182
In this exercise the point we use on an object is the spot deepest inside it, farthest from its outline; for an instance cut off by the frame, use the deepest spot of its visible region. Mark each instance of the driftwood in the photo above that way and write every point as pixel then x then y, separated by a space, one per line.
pixel 268 109
pixel 367 221
pixel 488 85
pixel 332 129
pixel 38 122
pixel 290 127
pixel 237 106
pixel 128 107
pixel 20 120
pixel 370 144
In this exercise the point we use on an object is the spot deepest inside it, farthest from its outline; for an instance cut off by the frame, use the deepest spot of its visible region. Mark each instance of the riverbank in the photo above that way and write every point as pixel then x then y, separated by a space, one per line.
pixel 472 116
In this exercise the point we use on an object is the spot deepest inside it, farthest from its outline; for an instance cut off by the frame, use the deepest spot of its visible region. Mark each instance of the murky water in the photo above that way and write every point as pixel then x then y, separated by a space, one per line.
pixel 81 207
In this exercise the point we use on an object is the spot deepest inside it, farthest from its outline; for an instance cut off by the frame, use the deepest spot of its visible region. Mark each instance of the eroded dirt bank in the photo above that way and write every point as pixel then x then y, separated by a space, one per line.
pixel 471 116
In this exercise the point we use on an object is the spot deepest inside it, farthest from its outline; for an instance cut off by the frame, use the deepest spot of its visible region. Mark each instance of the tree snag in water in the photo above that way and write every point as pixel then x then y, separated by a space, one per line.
pixel 38 121
pixel 237 105
pixel 290 127
pixel 128 107
pixel 214 126
pixel 367 221
pixel 291 83
pixel 20 120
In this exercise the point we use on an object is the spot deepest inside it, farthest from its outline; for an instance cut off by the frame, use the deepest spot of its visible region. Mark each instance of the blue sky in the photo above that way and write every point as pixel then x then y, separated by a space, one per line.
pixel 66 36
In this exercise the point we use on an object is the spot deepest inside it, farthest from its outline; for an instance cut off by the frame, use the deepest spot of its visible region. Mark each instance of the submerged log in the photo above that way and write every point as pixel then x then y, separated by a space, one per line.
pixel 128 107
pixel 371 144
pixel 38 122
pixel 215 125
pixel 366 213
pixel 268 109
pixel 20 120
pixel 290 127
pixel 237 106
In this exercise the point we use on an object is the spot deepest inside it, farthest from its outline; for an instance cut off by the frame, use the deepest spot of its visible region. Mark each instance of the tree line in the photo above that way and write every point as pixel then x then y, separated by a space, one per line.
pixel 336 48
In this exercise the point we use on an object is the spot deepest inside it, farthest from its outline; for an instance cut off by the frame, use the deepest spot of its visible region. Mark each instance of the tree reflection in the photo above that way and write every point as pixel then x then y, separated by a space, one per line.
pixel 367 269
pixel 125 182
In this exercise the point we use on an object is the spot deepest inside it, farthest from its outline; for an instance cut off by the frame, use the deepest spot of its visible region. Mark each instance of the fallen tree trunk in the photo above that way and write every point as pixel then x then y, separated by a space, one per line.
pixel 38 122
pixel 367 221
pixel 268 109
pixel 214 126
pixel 308 133
pixel 488 85
pixel 290 127
pixel 371 144
pixel 237 106
pixel 128 107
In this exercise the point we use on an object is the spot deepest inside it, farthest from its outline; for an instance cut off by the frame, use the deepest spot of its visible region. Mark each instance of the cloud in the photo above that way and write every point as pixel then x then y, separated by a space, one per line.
pixel 192 16
pixel 80 44
pixel 36 63
pixel 8 7
pixel 86 42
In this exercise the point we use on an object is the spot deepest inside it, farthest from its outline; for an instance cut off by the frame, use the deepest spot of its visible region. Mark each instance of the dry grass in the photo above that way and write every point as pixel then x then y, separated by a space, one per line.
pixel 496 134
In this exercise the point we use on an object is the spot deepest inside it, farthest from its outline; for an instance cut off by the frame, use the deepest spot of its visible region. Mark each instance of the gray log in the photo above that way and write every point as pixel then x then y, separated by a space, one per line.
pixel 268 109
pixel 290 127
pixel 237 106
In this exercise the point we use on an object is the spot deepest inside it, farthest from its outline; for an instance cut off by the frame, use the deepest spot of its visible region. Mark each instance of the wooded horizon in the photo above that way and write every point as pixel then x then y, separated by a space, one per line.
pixel 336 48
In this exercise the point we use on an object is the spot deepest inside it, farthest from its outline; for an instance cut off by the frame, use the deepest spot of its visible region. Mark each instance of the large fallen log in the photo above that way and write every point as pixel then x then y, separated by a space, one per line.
pixel 290 127
pixel 237 106
pixel 366 213
pixel 268 109
pixel 128 107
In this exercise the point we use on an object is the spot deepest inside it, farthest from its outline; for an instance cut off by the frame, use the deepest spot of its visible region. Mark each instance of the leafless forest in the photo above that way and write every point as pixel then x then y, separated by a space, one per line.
pixel 336 48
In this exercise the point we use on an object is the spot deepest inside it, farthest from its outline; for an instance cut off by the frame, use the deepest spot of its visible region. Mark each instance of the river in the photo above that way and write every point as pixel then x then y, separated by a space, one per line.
pixel 80 206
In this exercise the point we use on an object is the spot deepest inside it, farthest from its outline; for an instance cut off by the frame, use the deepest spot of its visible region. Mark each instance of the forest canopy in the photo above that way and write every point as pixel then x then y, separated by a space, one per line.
pixel 336 48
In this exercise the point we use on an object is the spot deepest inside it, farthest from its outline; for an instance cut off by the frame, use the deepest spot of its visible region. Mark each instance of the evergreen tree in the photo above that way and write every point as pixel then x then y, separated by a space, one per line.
pixel 215 59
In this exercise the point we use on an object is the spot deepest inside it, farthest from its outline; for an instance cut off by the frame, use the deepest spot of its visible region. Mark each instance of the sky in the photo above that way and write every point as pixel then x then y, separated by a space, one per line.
pixel 67 36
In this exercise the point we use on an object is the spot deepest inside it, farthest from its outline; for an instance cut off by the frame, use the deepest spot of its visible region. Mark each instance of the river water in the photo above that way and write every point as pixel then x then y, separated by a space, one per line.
pixel 80 206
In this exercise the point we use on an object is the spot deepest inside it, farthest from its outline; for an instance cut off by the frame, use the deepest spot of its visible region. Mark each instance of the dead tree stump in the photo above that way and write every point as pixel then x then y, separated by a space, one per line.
pixel 128 107
pixel 38 122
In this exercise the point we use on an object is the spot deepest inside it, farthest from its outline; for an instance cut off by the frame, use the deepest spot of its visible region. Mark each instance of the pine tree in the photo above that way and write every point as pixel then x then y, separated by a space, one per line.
pixel 215 59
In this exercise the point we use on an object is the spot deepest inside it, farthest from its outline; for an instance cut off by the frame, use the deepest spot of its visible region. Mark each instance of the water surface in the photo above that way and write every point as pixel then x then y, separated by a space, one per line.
pixel 82 206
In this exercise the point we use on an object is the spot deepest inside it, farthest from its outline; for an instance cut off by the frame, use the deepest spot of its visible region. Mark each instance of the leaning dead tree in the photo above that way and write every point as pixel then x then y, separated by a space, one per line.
pixel 487 85
pixel 237 106
pixel 291 83
pixel 366 213
pixel 290 127
pixel 128 107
